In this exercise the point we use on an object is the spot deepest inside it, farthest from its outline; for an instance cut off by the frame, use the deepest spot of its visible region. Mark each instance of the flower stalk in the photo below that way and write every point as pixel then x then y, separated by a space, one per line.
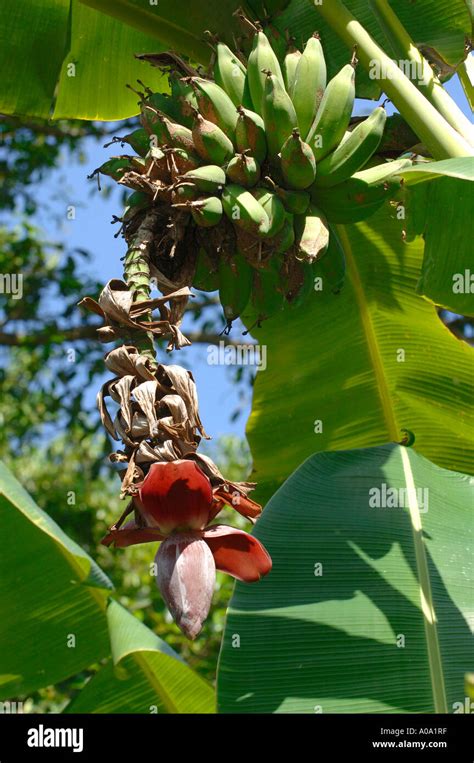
pixel 137 276
pixel 442 140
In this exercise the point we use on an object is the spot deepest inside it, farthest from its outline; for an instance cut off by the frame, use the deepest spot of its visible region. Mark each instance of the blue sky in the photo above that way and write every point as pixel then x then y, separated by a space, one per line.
pixel 92 230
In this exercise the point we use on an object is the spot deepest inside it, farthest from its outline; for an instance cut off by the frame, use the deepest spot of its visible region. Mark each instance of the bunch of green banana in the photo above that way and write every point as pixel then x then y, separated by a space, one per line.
pixel 249 169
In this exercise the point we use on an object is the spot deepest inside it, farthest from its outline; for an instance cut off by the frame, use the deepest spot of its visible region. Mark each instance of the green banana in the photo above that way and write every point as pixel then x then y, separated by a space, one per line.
pixel 210 178
pixel 165 104
pixel 354 152
pixel 331 268
pixel 117 166
pixel 235 285
pixel 261 57
pixel 157 167
pixel 298 164
pixel 267 297
pixel 136 201
pixel 164 132
pixel 139 140
pixel 211 143
pixel 184 192
pixel 243 170
pixel 152 123
pixel 244 210
pixel 176 135
pixel 312 235
pixel 285 239
pixel 290 65
pixel 183 98
pixel 297 282
pixel 334 113
pixel 250 134
pixel 205 212
pixel 206 276
pixel 215 105
pixel 381 173
pixel 309 85
pixel 181 161
pixel 274 210
pixel 231 75
pixel 279 114
pixel 296 202
pixel 353 200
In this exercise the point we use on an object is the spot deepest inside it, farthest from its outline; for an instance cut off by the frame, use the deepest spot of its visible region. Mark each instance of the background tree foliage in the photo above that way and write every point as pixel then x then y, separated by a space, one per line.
pixel 49 359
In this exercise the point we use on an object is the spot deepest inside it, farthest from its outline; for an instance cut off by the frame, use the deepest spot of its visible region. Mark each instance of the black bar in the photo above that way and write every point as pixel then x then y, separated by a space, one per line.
pixel 150 737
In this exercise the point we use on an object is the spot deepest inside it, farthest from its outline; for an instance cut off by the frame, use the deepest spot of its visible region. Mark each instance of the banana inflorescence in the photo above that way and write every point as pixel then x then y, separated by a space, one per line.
pixel 249 171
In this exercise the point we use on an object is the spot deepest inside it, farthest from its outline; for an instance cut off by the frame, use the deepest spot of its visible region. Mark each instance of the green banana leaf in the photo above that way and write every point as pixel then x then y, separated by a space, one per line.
pixel 367 607
pixel 145 676
pixel 66 58
pixel 57 620
pixel 59 58
pixel 461 168
pixel 440 206
pixel 355 369
pixel 52 598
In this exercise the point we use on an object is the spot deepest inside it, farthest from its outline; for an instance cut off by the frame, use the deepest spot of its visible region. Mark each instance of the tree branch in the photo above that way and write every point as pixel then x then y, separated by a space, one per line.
pixel 10 339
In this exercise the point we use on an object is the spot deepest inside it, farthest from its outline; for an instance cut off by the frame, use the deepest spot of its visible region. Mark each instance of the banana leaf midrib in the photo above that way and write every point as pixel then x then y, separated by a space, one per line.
pixel 371 338
pixel 426 597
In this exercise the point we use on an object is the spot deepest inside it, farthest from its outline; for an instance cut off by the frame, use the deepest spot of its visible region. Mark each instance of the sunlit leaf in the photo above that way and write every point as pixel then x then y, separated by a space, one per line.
pixel 368 606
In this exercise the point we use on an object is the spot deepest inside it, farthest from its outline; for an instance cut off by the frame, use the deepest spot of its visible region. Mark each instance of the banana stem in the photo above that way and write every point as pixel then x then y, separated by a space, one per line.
pixel 443 141
pixel 465 73
pixel 137 277
pixel 427 81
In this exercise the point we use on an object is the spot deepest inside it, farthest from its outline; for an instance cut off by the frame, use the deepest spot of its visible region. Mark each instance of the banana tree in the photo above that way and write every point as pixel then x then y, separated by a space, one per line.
pixel 334 239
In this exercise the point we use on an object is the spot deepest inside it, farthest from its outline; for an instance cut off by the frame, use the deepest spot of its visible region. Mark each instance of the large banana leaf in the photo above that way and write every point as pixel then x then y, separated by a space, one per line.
pixel 40 40
pixel 145 676
pixel 367 363
pixel 440 206
pixel 57 620
pixel 367 608
pixel 65 59
pixel 58 52
pixel 52 598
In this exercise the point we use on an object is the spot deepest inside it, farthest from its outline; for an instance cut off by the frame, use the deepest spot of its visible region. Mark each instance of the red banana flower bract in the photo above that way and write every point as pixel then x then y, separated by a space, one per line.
pixel 175 504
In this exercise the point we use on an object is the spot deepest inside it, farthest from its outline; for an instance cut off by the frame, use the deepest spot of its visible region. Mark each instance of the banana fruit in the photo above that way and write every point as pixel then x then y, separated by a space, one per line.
pixel 249 171
pixel 279 114
pixel 211 143
pixel 290 65
pixel 250 134
pixel 334 113
pixel 298 164
pixel 231 75
pixel 215 105
pixel 309 84
pixel 274 210
pixel 235 285
pixel 312 235
pixel 262 58
pixel 243 170
pixel 244 210
pixel 361 195
pixel 206 212
pixel 210 178
pixel 353 152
